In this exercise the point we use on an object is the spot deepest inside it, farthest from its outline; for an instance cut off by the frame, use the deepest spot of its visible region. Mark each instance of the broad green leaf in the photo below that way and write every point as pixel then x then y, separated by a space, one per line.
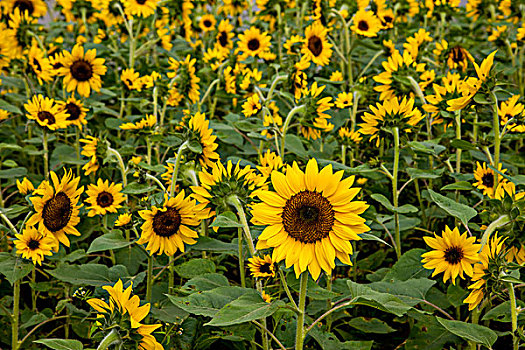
pixel 501 313
pixel 294 144
pixel 407 208
pixel 136 188
pixel 462 144
pixel 328 341
pixel 61 344
pixel 415 173
pixel 462 212
pixel 214 245
pixel 207 281
pixel 110 241
pixel 89 274
pixel 370 325
pixel 411 292
pixel 364 295
pixel 456 295
pixel 9 147
pixel 13 173
pixel 14 268
pixel 226 219
pixel 9 107
pixel 468 331
pixel 195 146
pixel 460 185
pixel 246 308
pixel 169 313
pixel 313 291
pixel 195 267
pixel 426 147
pixel 408 266
pixel 428 334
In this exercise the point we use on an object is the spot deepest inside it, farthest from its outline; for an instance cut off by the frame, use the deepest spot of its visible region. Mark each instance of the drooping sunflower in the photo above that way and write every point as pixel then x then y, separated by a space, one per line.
pixel 90 150
pixel 510 109
pixel 34 8
pixel 349 137
pixel 31 244
pixel 315 120
pixel 56 207
pixel 366 24
pixel 391 113
pixel 187 82
pixel 166 229
pixel 253 42
pixel 75 110
pixel 310 217
pixel 40 64
pixel 200 130
pixel 262 267
pixel 316 46
pixel 147 122
pixel 252 106
pixel 453 254
pixel 141 8
pixel 104 197
pixel 81 70
pixel 491 256
pixel 486 178
pixel 456 57
pixel 207 23
pixel 46 112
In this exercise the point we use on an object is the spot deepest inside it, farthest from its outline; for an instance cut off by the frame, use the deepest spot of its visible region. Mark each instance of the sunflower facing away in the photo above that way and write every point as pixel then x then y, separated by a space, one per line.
pixel 104 197
pixel 165 230
pixel 46 112
pixel 262 267
pixel 31 244
pixel 90 150
pixel 486 178
pixel 200 128
pixel 82 71
pixel 316 46
pixel 310 218
pixel 453 254
pixel 253 43
pixel 56 207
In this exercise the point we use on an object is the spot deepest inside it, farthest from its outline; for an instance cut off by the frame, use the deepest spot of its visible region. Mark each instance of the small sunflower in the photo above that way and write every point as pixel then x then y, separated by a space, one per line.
pixel 387 18
pixel 253 43
pixel 33 245
pixel 225 35
pixel 104 197
pixel 344 100
pixel 56 207
pixel 262 267
pixel 316 46
pixel 34 8
pixel 315 120
pixel 453 254
pixel 366 24
pixel 46 112
pixel 25 186
pixel 90 150
pixel 186 81
pixel 141 8
pixel 40 64
pixel 349 137
pixel 148 122
pixel 510 109
pixel 310 218
pixel 207 23
pixel 81 70
pixel 252 106
pixel 165 230
pixel 75 110
pixel 123 220
pixel 131 79
pixel 486 178
pixel 486 271
pixel 269 162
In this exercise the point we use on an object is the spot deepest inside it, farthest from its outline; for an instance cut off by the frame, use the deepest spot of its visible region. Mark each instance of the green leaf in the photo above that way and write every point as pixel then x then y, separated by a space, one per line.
pixel 409 266
pixel 426 147
pixel 372 237
pixel 13 268
pixel 226 219
pixel 136 188
pixel 246 308
pixel 9 107
pixel 110 241
pixel 456 295
pixel 89 274
pixel 364 295
pixel 207 281
pixel 462 144
pixel 501 313
pixel 60 344
pixel 13 173
pixel 313 291
pixel 294 144
pixel 411 292
pixel 9 147
pixel 469 331
pixel 195 146
pixel 424 173
pixel 195 267
pixel 458 210
pixel 383 200
pixel 370 325
pixel 214 245
pixel 428 334
pixel 460 185
pixel 328 341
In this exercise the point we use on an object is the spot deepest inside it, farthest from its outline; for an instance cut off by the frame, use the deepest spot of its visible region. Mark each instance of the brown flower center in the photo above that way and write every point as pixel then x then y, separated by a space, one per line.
pixel 57 212
pixel 33 244
pixel 24 5
pixel 81 70
pixel 457 55
pixel 308 217
pixel 36 65
pixel 453 255
pixel 104 199
pixel 315 45
pixel 488 180
pixel 253 44
pixel 266 268
pixel 73 110
pixel 141 2
pixel 167 223
pixel 223 39
pixel 207 23
pixel 388 19
pixel 363 25
pixel 45 115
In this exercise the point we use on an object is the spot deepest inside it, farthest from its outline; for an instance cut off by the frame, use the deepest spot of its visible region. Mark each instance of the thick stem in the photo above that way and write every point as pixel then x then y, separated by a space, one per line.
pixel 287 122
pixel 343 154
pixel 149 281
pixel 514 316
pixel 497 139
pixel 397 233
pixel 176 167
pixel 46 154
pixel 120 164
pixel 16 315
pixel 241 259
pixel 299 334
pixel 111 338
pixel 286 289
pixel 329 301
pixel 236 203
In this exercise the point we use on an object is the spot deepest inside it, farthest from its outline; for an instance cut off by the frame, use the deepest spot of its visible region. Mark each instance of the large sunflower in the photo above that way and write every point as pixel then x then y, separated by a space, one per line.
pixel 31 244
pixel 486 178
pixel 104 197
pixel 46 112
pixel 366 24
pixel 165 230
pixel 82 71
pixel 310 218
pixel 252 42
pixel 316 46
pixel 57 209
pixel 453 254
pixel 75 110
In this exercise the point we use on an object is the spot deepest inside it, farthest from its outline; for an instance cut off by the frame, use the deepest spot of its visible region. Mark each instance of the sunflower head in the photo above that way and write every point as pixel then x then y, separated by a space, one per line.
pixel 253 42
pixel 316 47
pixel 365 23
pixel 186 82
pixel 486 178
pixel 75 110
pixel 104 197
pixel 262 266
pixel 46 112
pixel 199 132
pixel 314 120
pixel 31 244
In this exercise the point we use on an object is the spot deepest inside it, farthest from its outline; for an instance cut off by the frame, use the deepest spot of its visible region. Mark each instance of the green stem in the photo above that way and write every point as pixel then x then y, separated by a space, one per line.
pixel 46 154
pixel 329 301
pixel 213 83
pixel 157 181
pixel 497 139
pixel 397 233
pixel 16 315
pixel 514 316
pixel 343 154
pixel 112 338
pixel 33 292
pixel 236 203
pixel 120 164
pixel 299 334
pixel 176 167
pixel 286 289
pixel 241 259
pixel 149 282
pixel 287 121
pixel 277 79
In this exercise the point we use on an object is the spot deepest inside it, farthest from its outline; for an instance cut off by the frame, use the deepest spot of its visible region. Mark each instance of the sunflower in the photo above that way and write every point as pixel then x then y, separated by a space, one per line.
pixel 186 83
pixel 207 23
pixel 349 137
pixel 496 33
pixel 141 8
pixel 310 218
pixel 225 35
pixel 262 267
pixel 81 70
pixel 25 186
pixel 453 254
pixel 148 122
pixel 4 114
pixel 104 197
pixel 510 109
pixel 486 178
pixel 391 113
pixel 34 8
pixel 365 23
pixel 233 7
pixel 336 76
pixel 315 120
pixel 316 47
pixel 486 271
pixel 442 93
pixel 123 220
pixel 75 110
pixel 17 36
pixel 516 254
pixel 272 120
pixel 46 112
pixel 40 65
pixel 252 106
pixel 33 245
pixel 253 43
pixel 165 230
pixel 200 130
pixel 90 150
pixel 131 79
pixel 125 311
pixel 387 18
pixel 456 57
pixel 56 211
pixel 344 100
pixel 269 162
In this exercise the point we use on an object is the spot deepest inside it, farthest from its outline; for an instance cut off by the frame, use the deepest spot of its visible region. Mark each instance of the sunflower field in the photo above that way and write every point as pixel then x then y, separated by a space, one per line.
pixel 262 174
